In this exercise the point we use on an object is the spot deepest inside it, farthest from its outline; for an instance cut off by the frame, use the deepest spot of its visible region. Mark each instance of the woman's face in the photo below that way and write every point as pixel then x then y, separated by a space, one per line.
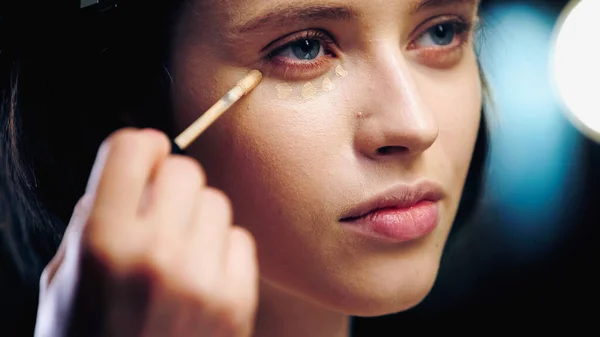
pixel 361 102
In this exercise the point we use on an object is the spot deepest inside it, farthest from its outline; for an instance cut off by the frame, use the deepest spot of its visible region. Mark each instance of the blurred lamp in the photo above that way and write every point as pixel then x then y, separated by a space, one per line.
pixel 576 65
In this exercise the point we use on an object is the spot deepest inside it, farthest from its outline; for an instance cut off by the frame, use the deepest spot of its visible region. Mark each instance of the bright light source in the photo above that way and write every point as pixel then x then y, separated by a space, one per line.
pixel 576 65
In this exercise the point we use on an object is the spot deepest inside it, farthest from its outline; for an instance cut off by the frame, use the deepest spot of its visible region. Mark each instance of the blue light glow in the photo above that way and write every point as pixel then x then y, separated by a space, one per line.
pixel 535 151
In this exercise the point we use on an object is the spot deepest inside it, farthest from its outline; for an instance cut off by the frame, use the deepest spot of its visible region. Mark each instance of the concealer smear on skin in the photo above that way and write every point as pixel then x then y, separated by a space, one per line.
pixel 284 91
pixel 340 71
pixel 327 85
pixel 309 91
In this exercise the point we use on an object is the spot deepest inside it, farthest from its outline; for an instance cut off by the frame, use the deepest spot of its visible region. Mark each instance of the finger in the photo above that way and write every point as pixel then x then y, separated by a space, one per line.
pixel 130 163
pixel 96 173
pixel 210 230
pixel 70 238
pixel 174 191
pixel 240 279
pixel 241 263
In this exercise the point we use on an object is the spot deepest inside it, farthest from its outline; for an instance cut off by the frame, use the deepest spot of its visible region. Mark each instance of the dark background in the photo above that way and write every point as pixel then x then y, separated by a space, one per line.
pixel 528 257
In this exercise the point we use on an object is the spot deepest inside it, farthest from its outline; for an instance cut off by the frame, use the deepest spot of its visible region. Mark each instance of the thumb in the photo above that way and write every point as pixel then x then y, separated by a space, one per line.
pixel 78 219
pixel 71 237
pixel 96 173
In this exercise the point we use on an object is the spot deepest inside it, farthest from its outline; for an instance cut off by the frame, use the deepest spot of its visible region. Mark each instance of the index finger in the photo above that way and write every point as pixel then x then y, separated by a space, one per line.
pixel 130 163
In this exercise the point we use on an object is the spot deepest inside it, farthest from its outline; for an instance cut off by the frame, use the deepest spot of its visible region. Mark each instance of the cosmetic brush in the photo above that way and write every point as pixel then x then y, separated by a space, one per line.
pixel 241 89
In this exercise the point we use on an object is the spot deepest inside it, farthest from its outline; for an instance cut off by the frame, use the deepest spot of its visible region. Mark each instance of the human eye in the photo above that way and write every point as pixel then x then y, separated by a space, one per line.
pixel 442 42
pixel 301 55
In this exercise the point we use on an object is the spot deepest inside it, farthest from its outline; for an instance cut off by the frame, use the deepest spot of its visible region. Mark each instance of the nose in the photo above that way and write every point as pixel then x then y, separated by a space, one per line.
pixel 395 120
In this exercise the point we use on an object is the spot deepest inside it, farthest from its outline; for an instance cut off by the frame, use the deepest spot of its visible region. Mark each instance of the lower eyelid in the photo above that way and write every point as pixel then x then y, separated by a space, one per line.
pixel 441 57
pixel 290 70
pixel 463 33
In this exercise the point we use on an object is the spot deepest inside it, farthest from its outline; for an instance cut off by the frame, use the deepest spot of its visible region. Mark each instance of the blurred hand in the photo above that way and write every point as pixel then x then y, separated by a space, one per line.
pixel 150 251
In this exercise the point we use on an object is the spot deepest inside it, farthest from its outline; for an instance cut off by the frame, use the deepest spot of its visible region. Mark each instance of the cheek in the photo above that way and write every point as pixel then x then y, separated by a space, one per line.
pixel 275 159
pixel 456 103
pixel 271 151
pixel 454 98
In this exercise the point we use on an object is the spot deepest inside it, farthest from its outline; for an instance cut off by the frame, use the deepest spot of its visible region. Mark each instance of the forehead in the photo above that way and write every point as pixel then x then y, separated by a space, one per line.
pixel 235 13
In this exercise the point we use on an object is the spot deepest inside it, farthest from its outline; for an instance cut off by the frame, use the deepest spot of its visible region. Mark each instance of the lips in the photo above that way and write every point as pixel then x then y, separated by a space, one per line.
pixel 396 198
pixel 402 213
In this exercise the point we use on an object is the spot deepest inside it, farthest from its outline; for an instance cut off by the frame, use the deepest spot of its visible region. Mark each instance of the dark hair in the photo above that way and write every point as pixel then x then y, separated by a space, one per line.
pixel 68 78
pixel 65 88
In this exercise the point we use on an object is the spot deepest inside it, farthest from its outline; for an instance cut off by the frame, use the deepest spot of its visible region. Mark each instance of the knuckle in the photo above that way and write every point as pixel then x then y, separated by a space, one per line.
pixel 114 248
pixel 130 146
pixel 197 287
pixel 147 265
pixel 245 235
pixel 121 258
pixel 96 221
pixel 218 200
pixel 244 242
pixel 120 136
pixel 135 144
pixel 185 169
pixel 154 263
pixel 102 249
pixel 201 295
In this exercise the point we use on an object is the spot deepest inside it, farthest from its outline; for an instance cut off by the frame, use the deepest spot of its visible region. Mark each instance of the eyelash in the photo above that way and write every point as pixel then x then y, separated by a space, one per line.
pixel 443 56
pixel 303 69
pixel 436 56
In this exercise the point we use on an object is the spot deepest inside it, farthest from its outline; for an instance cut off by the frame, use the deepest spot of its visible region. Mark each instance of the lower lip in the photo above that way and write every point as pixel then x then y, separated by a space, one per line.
pixel 398 224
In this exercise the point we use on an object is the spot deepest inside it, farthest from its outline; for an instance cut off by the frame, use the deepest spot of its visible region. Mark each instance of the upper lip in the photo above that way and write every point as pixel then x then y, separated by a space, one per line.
pixel 398 197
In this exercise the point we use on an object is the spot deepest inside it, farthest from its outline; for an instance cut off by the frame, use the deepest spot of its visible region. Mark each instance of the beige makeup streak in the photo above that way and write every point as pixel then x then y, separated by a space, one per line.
pixel 340 71
pixel 309 91
pixel 327 85
pixel 284 90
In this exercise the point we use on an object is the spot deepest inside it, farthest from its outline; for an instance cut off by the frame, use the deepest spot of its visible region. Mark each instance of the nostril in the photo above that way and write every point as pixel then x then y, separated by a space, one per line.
pixel 389 150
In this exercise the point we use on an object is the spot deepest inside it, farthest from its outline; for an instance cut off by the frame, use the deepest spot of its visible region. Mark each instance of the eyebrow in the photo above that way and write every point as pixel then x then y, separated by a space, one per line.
pixel 290 14
pixel 286 15
pixel 427 4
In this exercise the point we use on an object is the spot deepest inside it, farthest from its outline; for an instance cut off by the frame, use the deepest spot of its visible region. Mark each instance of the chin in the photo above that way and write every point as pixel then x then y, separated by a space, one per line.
pixel 396 303
pixel 387 289
pixel 388 302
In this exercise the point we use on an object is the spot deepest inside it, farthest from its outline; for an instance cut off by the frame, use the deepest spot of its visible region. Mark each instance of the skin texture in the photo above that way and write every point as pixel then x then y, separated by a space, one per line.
pixel 151 250
pixel 292 166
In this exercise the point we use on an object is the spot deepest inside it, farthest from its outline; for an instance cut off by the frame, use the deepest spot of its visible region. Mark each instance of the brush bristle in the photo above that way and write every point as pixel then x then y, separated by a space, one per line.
pixel 250 82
